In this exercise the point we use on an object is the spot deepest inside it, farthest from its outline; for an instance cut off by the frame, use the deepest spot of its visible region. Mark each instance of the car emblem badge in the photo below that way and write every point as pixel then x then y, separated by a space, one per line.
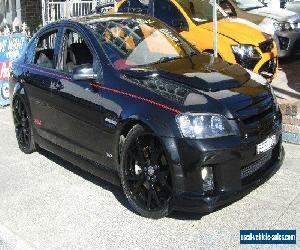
pixel 37 122
pixel 150 171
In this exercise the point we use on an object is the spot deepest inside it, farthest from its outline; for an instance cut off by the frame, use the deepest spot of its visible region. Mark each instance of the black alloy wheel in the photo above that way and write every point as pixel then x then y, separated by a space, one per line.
pixel 23 126
pixel 145 174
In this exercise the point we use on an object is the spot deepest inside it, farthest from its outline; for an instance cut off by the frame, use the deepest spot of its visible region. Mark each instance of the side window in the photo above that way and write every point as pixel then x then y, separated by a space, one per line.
pixel 133 6
pixel 227 7
pixel 163 10
pixel 30 50
pixel 44 52
pixel 75 51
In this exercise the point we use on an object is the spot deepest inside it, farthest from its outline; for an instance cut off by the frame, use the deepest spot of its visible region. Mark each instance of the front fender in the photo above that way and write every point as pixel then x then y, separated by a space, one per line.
pixel 161 123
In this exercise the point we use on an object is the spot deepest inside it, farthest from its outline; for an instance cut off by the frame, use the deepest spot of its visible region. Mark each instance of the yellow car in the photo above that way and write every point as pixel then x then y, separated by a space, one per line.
pixel 239 41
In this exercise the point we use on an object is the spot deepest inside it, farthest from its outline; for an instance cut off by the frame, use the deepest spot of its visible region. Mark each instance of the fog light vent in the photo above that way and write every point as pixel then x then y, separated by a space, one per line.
pixel 284 42
pixel 207 178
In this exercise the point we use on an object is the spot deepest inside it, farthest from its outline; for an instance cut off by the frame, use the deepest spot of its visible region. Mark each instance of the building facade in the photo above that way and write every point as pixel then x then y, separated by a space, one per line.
pixel 36 13
pixel 28 11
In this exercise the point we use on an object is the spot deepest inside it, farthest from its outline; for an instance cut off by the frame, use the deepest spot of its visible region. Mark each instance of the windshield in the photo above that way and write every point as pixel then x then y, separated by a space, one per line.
pixel 249 4
pixel 201 10
pixel 129 43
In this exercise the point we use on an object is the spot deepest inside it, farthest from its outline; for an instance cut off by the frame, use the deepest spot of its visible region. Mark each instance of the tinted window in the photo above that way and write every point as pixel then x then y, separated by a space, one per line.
pixel 75 51
pixel 227 7
pixel 30 50
pixel 44 52
pixel 133 6
pixel 248 5
pixel 129 43
pixel 168 13
pixel 201 10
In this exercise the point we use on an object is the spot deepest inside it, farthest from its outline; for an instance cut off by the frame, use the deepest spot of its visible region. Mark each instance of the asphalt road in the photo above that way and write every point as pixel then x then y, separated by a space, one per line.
pixel 46 203
pixel 291 67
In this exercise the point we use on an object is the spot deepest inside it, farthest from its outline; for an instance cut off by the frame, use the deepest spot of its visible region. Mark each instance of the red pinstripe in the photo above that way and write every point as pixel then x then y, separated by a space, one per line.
pixel 163 106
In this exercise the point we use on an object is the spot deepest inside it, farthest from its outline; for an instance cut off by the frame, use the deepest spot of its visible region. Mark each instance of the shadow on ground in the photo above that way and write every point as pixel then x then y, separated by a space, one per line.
pixel 116 190
pixel 291 68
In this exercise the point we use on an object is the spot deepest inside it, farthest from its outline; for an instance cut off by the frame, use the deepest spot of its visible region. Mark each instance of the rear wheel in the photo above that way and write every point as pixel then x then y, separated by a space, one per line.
pixel 23 126
pixel 145 174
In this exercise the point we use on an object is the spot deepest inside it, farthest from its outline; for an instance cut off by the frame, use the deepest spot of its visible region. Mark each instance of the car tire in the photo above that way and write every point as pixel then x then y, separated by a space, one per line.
pixel 144 180
pixel 23 126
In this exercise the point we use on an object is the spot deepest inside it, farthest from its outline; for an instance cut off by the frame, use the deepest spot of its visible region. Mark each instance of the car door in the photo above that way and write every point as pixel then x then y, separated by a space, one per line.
pixel 39 74
pixel 79 119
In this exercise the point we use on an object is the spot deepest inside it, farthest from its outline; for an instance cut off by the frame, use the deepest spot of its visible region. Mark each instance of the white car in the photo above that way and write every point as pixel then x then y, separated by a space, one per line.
pixel 282 23
pixel 293 5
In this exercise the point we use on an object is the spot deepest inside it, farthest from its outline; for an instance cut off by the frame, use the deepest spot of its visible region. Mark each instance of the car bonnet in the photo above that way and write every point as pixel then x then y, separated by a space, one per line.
pixel 196 84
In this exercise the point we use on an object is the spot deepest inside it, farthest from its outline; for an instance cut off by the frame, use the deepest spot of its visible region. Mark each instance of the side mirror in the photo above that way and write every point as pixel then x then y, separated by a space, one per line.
pixel 84 72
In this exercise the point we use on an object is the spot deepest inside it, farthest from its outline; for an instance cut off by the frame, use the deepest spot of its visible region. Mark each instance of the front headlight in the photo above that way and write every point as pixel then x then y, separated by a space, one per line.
pixel 246 51
pixel 284 26
pixel 246 55
pixel 200 126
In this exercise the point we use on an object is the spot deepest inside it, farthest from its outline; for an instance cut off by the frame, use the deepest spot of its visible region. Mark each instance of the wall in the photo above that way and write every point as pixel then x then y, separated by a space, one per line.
pixel 291 120
pixel 31 13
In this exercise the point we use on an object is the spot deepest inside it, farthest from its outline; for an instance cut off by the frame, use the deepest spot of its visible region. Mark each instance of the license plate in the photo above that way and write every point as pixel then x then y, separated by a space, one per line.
pixel 266 145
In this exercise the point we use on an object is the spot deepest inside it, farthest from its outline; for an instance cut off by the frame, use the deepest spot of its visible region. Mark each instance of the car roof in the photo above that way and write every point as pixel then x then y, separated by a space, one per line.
pixel 103 18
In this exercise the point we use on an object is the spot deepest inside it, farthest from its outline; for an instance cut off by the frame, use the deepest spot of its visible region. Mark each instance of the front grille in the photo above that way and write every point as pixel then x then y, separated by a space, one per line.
pixel 256 111
pixel 268 69
pixel 258 118
pixel 252 168
pixel 284 42
pixel 266 46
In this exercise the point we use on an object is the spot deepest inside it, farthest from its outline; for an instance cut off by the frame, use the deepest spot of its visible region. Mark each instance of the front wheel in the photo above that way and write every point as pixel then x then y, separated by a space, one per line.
pixel 145 174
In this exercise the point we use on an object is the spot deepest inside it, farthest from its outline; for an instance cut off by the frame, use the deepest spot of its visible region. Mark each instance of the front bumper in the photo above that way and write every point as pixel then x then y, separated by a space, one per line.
pixel 228 157
pixel 288 43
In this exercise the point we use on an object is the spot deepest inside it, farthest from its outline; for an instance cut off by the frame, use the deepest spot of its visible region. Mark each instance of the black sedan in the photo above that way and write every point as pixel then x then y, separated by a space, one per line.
pixel 124 97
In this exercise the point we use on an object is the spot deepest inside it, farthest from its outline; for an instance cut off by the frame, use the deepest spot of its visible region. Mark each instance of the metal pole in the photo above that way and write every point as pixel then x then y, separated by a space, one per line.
pixel 215 28
pixel 44 11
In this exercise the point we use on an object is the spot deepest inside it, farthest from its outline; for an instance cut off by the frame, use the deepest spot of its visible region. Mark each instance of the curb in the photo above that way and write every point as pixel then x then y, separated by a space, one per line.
pixel 291 120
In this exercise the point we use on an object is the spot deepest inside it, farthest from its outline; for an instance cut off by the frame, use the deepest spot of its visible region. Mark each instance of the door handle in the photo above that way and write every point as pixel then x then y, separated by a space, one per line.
pixel 58 85
pixel 26 74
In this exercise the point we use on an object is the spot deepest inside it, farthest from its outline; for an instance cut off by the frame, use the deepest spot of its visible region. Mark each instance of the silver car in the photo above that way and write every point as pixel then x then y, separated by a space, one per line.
pixel 293 5
pixel 282 23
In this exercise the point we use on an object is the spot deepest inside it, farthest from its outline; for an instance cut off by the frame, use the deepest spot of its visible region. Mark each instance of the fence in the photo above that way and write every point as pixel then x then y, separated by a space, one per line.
pixel 55 10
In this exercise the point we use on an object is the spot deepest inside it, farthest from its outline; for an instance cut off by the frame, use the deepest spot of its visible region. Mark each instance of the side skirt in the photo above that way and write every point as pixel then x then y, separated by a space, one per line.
pixel 85 164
